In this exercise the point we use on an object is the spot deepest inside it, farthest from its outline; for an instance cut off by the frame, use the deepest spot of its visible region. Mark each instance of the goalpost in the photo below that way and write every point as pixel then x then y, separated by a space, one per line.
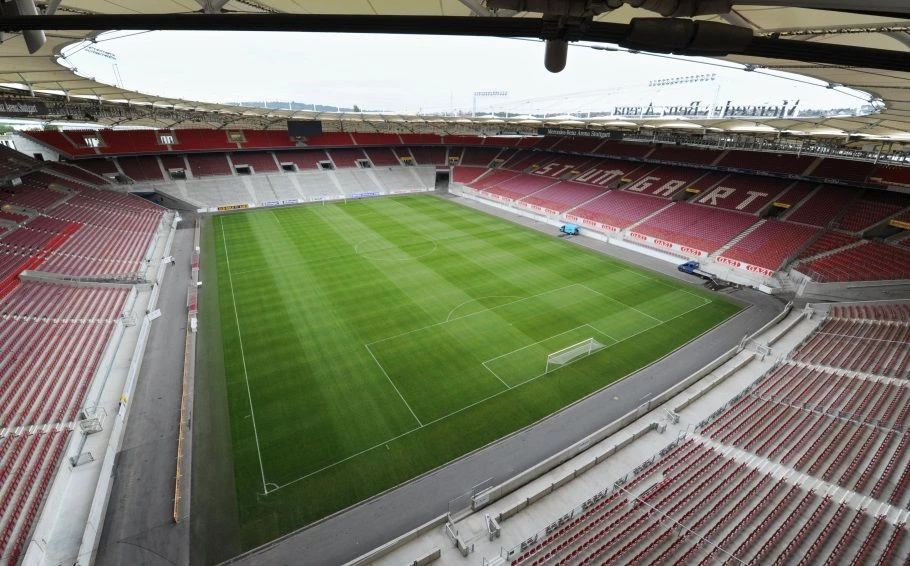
pixel 571 353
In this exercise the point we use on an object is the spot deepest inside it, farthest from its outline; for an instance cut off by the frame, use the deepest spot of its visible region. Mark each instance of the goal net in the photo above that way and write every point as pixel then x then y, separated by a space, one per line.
pixel 571 353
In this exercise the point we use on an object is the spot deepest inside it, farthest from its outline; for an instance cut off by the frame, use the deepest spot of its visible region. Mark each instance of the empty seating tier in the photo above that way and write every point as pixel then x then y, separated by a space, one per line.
pixel 823 206
pixel 619 209
pixel 702 228
pixel 141 168
pixel 347 157
pixel 743 193
pixel 28 461
pixel 766 161
pixel 771 244
pixel 429 155
pixel 873 207
pixel 520 186
pixel 881 348
pixel 831 168
pixel 681 154
pixel 664 181
pixel 259 161
pixel 382 157
pixel 869 261
pixel 479 156
pixel 828 241
pixel 304 159
pixel 465 175
pixel 563 195
pixel 561 165
pixel 206 165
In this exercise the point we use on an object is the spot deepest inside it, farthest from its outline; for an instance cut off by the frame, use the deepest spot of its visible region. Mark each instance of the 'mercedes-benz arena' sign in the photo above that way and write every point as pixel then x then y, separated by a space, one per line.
pixel 16 108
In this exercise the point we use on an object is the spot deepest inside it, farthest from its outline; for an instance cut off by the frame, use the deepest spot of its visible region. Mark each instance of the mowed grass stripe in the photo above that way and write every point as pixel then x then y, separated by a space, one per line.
pixel 315 284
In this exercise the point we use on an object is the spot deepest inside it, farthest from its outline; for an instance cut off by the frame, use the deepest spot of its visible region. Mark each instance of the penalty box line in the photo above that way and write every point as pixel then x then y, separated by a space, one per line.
pixel 461 410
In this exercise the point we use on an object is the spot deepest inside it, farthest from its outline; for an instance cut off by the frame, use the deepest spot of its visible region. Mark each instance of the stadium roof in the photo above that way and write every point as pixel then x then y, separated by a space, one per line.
pixel 888 28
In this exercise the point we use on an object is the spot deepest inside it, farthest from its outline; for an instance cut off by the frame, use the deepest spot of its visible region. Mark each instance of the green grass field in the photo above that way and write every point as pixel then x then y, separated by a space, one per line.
pixel 366 343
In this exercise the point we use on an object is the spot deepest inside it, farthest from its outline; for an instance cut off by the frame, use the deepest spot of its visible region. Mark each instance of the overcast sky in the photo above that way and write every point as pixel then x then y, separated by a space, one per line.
pixel 419 73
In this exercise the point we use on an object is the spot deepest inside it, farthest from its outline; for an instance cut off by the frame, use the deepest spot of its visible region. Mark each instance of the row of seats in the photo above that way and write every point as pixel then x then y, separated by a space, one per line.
pixel 48 301
pixel 868 261
pixel 897 312
pixel 869 346
pixel 702 505
pixel 772 244
pixel 27 464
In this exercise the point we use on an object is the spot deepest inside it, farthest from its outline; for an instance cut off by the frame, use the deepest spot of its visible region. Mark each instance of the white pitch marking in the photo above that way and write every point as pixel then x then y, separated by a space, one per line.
pixel 367 346
pixel 246 376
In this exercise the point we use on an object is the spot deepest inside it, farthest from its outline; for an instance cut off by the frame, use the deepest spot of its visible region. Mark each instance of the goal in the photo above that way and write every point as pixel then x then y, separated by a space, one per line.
pixel 571 353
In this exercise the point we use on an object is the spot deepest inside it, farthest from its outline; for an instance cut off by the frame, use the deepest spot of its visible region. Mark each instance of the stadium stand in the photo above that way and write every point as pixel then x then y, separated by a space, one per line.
pixel 870 209
pixel 702 228
pixel 609 172
pixel 493 177
pixel 619 209
pixel 563 196
pixel 524 160
pixel 304 159
pixel 382 157
pixel 173 162
pixel 684 155
pixel 765 161
pixel 890 175
pixel 744 193
pixel 141 168
pixel 578 145
pixel 664 181
pixel 519 186
pixel 429 155
pixel 191 140
pixel 208 164
pixel 466 175
pixel 843 169
pixel 771 244
pixel 99 167
pixel 34 192
pixel 620 149
pixel 259 161
pixel 867 261
pixel 346 157
pixel 823 206
pixel 562 165
pixel 828 241
pixel 479 156
pixel 266 139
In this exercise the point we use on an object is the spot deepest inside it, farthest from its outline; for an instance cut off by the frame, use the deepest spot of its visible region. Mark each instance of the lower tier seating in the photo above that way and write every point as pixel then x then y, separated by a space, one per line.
pixel 771 244
pixel 703 228
pixel 619 208
pixel 869 261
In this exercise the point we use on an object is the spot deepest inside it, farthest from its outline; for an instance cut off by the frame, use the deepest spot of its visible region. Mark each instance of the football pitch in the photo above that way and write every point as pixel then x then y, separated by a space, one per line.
pixel 364 343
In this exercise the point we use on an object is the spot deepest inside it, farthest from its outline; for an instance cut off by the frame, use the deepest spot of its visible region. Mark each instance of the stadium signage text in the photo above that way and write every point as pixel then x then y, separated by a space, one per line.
pixel 22 108
pixel 232 207
pixel 698 109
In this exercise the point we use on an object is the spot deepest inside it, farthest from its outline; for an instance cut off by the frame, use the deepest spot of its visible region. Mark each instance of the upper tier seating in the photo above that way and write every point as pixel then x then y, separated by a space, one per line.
pixel 622 149
pixel 744 193
pixel 683 154
pixel 141 168
pixel 823 206
pixel 702 228
pixel 663 181
pixel 260 161
pixel 33 193
pixel 191 140
pixel 171 162
pixel 13 162
pixel 266 139
pixel 377 139
pixel 828 241
pixel 890 175
pixel 843 169
pixel 208 164
pixel 523 160
pixel 765 161
pixel 382 157
pixel 563 195
pixel 796 193
pixel 873 207
pixel 869 261
pixel 771 243
pixel 619 209
pixel 578 145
